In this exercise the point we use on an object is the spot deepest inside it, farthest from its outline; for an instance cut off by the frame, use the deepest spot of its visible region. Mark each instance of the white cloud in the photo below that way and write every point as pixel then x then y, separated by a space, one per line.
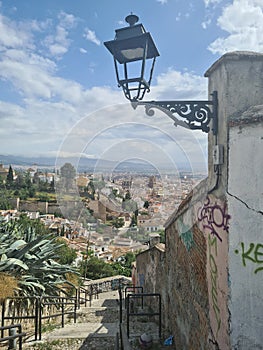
pixel 243 20
pixel 82 50
pixel 178 85
pixel 58 43
pixel 126 133
pixel 91 36
pixel 162 1
pixel 211 2
pixel 206 23
pixel 52 107
pixel 48 104
pixel 14 35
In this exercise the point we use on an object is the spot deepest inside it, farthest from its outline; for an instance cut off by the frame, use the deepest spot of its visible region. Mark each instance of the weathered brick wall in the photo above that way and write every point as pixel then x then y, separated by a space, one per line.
pixel 191 275
pixel 187 294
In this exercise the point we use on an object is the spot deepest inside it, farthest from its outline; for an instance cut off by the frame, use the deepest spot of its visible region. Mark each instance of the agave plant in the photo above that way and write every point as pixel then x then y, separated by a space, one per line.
pixel 30 259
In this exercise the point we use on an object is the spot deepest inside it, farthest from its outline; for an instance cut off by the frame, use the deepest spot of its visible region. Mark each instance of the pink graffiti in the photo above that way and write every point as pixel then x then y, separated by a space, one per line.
pixel 214 218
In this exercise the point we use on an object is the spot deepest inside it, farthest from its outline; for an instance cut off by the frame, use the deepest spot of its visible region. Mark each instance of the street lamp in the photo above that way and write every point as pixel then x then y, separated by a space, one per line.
pixel 133 45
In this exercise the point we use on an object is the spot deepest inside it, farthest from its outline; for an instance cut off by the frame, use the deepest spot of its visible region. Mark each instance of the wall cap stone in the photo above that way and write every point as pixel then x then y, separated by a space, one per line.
pixel 234 56
pixel 159 246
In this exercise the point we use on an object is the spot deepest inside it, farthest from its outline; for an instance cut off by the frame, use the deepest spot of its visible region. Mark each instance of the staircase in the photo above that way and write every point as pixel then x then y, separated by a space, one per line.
pixel 97 328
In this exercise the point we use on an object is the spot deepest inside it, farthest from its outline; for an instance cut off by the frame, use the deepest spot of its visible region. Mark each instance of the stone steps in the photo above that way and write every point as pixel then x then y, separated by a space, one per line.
pixel 96 328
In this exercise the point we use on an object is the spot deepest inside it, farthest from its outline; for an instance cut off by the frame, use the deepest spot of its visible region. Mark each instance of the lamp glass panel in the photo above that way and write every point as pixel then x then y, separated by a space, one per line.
pixel 133 70
pixel 133 54
pixel 116 47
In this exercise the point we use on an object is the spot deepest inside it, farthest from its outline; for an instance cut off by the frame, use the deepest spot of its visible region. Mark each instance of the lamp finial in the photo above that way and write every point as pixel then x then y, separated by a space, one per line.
pixel 132 19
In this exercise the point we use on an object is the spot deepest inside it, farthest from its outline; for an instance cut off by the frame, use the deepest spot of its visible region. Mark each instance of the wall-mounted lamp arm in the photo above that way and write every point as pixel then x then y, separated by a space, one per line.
pixel 197 114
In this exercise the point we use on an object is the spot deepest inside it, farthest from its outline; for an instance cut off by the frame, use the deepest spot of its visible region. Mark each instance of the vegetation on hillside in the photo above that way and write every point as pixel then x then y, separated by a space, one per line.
pixel 25 187
pixel 94 268
pixel 32 260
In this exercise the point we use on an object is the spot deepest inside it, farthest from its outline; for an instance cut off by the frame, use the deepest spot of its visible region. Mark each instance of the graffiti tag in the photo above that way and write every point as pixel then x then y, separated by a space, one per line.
pixel 185 234
pixel 212 244
pixel 254 254
pixel 213 218
pixel 187 239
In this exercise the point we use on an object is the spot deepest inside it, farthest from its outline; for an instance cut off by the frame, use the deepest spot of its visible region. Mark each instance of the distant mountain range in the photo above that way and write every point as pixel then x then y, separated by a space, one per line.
pixel 88 164
pixel 27 161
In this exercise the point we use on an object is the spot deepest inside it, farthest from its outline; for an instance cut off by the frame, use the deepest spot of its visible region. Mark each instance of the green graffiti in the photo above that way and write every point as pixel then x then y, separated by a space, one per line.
pixel 212 249
pixel 253 254
pixel 185 234
pixel 187 239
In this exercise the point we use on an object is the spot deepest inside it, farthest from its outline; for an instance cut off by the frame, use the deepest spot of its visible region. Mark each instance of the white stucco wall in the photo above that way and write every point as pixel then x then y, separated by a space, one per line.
pixel 245 206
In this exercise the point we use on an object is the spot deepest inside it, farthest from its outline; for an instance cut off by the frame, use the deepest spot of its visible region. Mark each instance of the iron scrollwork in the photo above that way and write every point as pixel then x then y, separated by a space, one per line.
pixel 195 114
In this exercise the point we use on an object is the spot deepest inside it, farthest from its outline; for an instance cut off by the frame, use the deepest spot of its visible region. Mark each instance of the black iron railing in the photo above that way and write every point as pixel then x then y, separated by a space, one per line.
pixel 59 307
pixel 15 331
pixel 12 315
pixel 132 311
pixel 62 305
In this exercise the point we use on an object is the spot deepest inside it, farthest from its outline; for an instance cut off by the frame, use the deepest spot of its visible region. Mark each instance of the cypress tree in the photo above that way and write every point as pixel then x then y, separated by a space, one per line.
pixel 10 178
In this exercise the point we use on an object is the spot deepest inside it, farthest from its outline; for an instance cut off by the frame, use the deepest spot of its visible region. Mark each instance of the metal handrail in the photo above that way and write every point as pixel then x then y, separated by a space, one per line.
pixel 37 309
pixel 19 335
pixel 34 315
pixel 91 290
pixel 57 301
pixel 132 312
pixel 132 290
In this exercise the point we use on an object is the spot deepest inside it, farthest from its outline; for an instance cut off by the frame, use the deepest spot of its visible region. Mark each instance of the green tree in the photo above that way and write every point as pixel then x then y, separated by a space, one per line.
pixel 10 178
pixel 118 222
pixel 52 184
pixel 28 181
pixel 91 190
pixel 66 255
pixel 124 266
pixel 127 195
pixel 96 268
pixel 129 258
pixel 162 236
pixel 5 196
pixel 19 182
pixel 134 219
pixel 99 184
pixel 146 204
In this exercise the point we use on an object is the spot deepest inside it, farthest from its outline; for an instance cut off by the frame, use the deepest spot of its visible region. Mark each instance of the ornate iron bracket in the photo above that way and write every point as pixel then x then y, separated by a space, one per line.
pixel 198 114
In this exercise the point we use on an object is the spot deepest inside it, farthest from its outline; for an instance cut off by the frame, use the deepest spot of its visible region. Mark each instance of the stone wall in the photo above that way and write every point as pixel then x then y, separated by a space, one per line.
pixel 35 206
pixel 190 274
pixel 211 281
pixel 245 202
pixel 149 273
pixel 238 78
pixel 149 269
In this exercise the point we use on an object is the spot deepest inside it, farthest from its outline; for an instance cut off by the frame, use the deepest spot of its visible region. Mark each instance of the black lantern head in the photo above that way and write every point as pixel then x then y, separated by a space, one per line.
pixel 131 50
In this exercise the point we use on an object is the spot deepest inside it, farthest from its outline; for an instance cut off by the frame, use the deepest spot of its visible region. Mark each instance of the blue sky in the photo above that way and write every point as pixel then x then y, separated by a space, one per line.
pixel 58 91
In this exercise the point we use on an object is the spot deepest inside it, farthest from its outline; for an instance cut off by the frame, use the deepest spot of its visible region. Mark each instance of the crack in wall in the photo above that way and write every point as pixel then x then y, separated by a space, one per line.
pixel 246 205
